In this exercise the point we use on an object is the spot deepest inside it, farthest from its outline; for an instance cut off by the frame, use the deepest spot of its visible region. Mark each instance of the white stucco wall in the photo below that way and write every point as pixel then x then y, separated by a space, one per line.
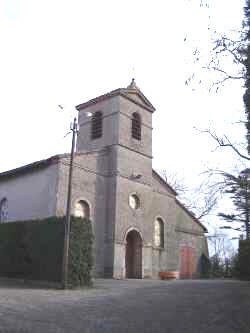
pixel 30 195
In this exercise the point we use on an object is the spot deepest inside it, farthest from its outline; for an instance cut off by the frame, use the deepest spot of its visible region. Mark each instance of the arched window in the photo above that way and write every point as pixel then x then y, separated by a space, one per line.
pixel 159 232
pixel 134 201
pixel 136 126
pixel 3 210
pixel 81 209
pixel 96 125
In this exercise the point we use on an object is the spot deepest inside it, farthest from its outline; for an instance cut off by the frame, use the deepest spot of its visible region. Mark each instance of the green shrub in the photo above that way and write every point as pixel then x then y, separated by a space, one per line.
pixel 243 260
pixel 235 266
pixel 205 267
pixel 34 250
pixel 217 268
pixel 80 253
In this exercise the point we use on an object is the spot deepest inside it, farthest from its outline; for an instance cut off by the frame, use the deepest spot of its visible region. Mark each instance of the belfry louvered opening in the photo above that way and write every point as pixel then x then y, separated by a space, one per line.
pixel 136 126
pixel 96 125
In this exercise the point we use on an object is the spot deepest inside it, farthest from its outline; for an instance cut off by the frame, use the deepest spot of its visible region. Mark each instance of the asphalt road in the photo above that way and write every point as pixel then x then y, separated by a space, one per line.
pixel 198 306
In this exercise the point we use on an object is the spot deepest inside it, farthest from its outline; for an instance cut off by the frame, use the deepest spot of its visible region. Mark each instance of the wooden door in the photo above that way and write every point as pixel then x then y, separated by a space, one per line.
pixel 133 259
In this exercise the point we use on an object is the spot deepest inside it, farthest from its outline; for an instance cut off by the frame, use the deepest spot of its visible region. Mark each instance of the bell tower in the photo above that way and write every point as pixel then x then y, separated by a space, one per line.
pixel 115 133
pixel 122 121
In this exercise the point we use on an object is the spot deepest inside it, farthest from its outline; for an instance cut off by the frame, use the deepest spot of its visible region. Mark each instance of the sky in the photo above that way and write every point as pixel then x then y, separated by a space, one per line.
pixel 67 52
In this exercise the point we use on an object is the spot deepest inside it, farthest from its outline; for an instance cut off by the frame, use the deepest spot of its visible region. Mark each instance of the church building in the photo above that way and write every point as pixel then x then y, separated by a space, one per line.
pixel 140 227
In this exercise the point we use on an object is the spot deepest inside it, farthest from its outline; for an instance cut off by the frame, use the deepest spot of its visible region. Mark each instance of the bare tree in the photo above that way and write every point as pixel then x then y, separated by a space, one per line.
pixel 221 252
pixel 201 200
pixel 224 141
pixel 176 181
pixel 229 60
pixel 220 244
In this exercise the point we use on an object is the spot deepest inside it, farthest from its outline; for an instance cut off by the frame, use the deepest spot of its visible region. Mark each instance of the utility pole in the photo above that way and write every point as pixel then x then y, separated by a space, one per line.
pixel 74 129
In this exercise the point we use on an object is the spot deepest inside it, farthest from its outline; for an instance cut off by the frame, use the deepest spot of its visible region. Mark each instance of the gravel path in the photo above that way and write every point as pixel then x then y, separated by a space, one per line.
pixel 198 306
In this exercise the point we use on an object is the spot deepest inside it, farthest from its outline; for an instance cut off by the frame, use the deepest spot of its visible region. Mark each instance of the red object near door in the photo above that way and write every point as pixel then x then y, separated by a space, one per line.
pixel 187 262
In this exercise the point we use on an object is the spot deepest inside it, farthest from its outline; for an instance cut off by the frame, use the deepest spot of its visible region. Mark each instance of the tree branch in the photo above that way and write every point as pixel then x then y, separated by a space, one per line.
pixel 224 142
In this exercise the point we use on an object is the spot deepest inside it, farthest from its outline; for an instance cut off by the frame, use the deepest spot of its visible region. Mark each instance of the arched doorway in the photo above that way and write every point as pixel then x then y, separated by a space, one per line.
pixel 133 257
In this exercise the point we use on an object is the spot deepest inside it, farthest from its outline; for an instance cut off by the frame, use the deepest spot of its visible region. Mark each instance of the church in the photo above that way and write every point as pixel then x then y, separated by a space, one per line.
pixel 141 230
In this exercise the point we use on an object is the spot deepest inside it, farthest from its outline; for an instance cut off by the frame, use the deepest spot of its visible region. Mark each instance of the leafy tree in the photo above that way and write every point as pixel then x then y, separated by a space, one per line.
pixel 238 187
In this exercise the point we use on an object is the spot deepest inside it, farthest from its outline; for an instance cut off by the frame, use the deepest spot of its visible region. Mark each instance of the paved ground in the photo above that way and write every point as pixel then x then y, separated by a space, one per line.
pixel 128 306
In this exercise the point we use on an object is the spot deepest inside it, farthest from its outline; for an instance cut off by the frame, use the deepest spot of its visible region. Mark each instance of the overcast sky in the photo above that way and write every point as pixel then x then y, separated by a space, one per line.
pixel 66 52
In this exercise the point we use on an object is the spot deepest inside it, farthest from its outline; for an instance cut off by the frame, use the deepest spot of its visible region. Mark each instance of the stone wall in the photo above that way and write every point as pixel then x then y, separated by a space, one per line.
pixel 89 183
pixel 127 109
pixel 152 205
pixel 110 111
pixel 108 188
pixel 191 239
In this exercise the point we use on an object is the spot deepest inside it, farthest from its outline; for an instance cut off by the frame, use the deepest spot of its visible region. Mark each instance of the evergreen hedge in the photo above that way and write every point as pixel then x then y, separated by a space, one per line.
pixel 204 266
pixel 80 253
pixel 242 264
pixel 33 250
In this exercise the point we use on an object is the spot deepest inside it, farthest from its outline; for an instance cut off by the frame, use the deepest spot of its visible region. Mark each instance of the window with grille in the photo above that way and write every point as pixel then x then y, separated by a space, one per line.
pixel 136 126
pixel 96 125
pixel 159 233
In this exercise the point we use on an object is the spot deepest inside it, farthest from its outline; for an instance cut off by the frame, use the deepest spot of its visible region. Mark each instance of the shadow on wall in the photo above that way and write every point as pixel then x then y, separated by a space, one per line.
pixel 203 266
pixel 104 229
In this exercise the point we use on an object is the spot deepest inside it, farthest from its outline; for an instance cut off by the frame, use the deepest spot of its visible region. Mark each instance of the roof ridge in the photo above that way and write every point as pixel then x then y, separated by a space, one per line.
pixel 132 88
pixel 191 214
pixel 163 180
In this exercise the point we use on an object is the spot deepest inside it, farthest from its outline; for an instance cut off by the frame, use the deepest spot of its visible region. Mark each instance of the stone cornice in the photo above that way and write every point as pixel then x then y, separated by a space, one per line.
pixel 189 231
pixel 120 92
